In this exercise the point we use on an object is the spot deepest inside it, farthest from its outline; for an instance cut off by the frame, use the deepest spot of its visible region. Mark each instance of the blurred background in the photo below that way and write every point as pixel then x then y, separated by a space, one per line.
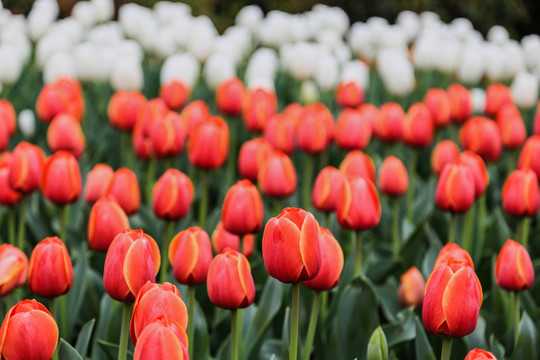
pixel 519 17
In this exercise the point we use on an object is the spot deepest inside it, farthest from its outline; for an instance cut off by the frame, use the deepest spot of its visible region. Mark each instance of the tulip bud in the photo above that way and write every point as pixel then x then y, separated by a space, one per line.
pixel 62 96
pixel 411 288
pixel 209 143
pixel 393 179
pixel 353 131
pixel 230 283
pixel 175 93
pixel 8 116
pixel 242 211
pixel 194 113
pixel 390 125
pixel 349 94
pixel 530 155
pixel 107 219
pixel 13 268
pixel 97 181
pixel 172 195
pixel 514 270
pixel 452 250
pixel 290 247
pixel 460 102
pixel 28 332
pixel 372 114
pixel 259 106
pixel 124 108
pixel 8 196
pixel 455 189
pixel 61 178
pixel 497 96
pixel 452 300
pixel 445 152
pixel 326 189
pixel 230 96
pixel 132 259
pixel 478 169
pixel 520 193
pixel 167 135
pixel 356 163
pixel 154 301
pixel 438 103
pixel 313 131
pixel 358 215
pixel 25 167
pixel 50 273
pixel 124 187
pixel 190 253
pixel 280 132
pixel 222 239
pixel 149 113
pixel 65 133
pixel 511 126
pixel 331 264
pixel 479 354
pixel 277 176
pixel 418 126
pixel 162 339
pixel 252 154
pixel 377 346
pixel 481 135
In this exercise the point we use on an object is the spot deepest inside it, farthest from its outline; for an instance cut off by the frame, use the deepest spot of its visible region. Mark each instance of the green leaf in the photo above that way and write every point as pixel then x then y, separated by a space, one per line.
pixel 526 347
pixel 402 330
pixel 67 352
pixel 270 350
pixel 422 345
pixel 85 335
pixel 477 339
pixel 388 299
pixel 285 331
pixel 111 348
pixel 202 337
pixel 75 297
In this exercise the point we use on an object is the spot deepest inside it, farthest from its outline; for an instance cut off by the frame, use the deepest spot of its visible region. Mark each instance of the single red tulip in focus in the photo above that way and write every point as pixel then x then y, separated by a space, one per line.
pixel 62 96
pixel 124 108
pixel 50 273
pixel 175 93
pixel 349 94
pixel 514 270
pixel 497 96
pixel 259 106
pixel 358 207
pixel 25 167
pixel 107 219
pixel 124 187
pixel 520 193
pixel 393 179
pixel 452 300
pixel 194 113
pixel 13 268
pixel 97 181
pixel 190 254
pixel 353 131
pixel 418 127
pixel 8 195
pixel 61 178
pixel 455 190
pixel 65 133
pixel 326 189
pixel 452 250
pixel 357 163
pixel 230 283
pixel 280 131
pixel 290 246
pixel 438 103
pixel 460 102
pixel 133 259
pixel 511 126
pixel 530 155
pixel 163 339
pixel 172 195
pixel 481 135
pixel 478 170
pixel 479 354
pixel 222 239
pixel 230 96
pixel 242 211
pixel 28 332
pixel 445 152
pixel 209 144
pixel 252 154
pixel 411 288
pixel 277 176
pixel 390 125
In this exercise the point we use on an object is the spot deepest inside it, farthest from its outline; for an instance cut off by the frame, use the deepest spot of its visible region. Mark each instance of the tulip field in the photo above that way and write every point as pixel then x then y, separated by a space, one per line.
pixel 296 187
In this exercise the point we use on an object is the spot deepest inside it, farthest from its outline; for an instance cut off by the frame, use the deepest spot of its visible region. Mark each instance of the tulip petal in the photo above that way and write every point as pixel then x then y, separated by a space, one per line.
pixel 433 315
pixel 310 248
pixel 139 266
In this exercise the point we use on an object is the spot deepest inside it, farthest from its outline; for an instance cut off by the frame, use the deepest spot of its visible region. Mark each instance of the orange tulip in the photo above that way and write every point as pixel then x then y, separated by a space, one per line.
pixel 8 116
pixel 230 96
pixel 455 189
pixel 520 193
pixel 452 250
pixel 13 268
pixel 497 96
pixel 530 155
pixel 167 135
pixel 452 300
pixel 8 195
pixel 315 129
pixel 132 259
pixel 390 125
pixel 353 131
pixel 107 219
pixel 25 167
pixel 290 246
pixel 163 339
pixel 209 143
pixel 460 102
pixel 438 103
pixel 252 154
pixel 195 112
pixel 418 126
pixel 61 178
pixel 230 283
pixel 358 207
pixel 50 273
pixel 349 94
pixel 411 288
pixel 479 354
pixel 445 152
pixel 190 253
pixel 280 131
pixel 97 181
pixel 124 187
pixel 478 169
pixel 511 126
pixel 28 332
pixel 481 135
pixel 148 114
pixel 259 106
pixel 357 163
pixel 514 270
pixel 222 239
pixel 62 96
pixel 123 109
pixel 326 188
pixel 175 93
pixel 393 179
pixel 172 195
pixel 242 211
pixel 277 176
pixel 65 133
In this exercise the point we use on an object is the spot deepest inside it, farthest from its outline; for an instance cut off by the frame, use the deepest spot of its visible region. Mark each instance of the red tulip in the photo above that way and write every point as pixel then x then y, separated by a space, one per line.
pixel 479 354
pixel 326 188
pixel 107 219
pixel 390 125
pixel 418 127
pixel 230 96
pixel 349 94
pixel 62 96
pixel 455 189
pixel 175 93
pixel 411 288
pixel 536 120
pixel 222 239
pixel 8 195
pixel 520 193
pixel 230 283
pixel 163 339
pixel 252 154
pixel 277 176
pixel 194 113
pixel 460 102
pixel 65 133
pixel 25 167
pixel 190 253
pixel 123 109
pixel 290 247
pixel 514 270
pixel 293 111
pixel 393 179
pixel 353 131
pixel 438 103
pixel 280 131
pixel 511 126
pixel 358 207
pixel 28 332
pixel 452 250
pixel 452 300
pixel 13 268
pixel 124 187
pixel 209 143
pixel 497 96
pixel 61 178
pixel 445 152
pixel 259 106
pixel 481 135
pixel 133 259
pixel 50 273
pixel 530 155
pixel 478 170
pixel 372 114
pixel 167 135
pixel 97 181
pixel 242 211
pixel 8 116
pixel 142 136
pixel 313 131
pixel 172 195
pixel 356 163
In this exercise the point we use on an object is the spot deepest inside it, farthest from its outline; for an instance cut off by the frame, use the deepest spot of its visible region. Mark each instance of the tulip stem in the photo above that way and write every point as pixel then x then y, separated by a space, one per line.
pixel 480 234
pixel 234 335
pixel 11 226
pixel 452 228
pixel 358 255
pixel 231 158
pixel 22 216
pixel 516 318
pixel 324 305
pixel 63 313
pixel 127 150
pixel 312 324
pixel 63 214
pixel 191 319
pixel 278 206
pixel 52 308
pixel 306 184
pixel 468 229
pixel 327 220
pixel 150 175
pixel 204 198
pixel 395 228
pixel 167 234
pixel 293 349
pixel 126 312
pixel 239 331
pixel 410 194
pixel 522 231
pixel 446 348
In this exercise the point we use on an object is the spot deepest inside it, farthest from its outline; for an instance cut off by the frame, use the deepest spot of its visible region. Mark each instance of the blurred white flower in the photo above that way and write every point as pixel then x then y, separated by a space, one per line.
pixel 107 33
pixel 227 45
pixel 218 68
pixel 168 12
pixel 531 49
pixel 69 28
pixel 426 52
pixel 126 74
pixel 393 37
pixel 472 63
pixel 129 48
pixel 262 63
pixel 359 38
pixel 250 17
pixel 183 67
pixel 308 92
pixel 165 42
pixel 260 82
pixel 449 55
pixel 514 59
pixel 498 35
pixel 85 55
pixel 11 64
pixel 377 26
pixel 330 17
pixel 356 71
pixel 104 9
pixel 105 57
pixel 182 30
pixel 409 21
pixel 396 71
pixel 49 45
pixel 461 28
pixel 478 96
pixel 429 19
pixel 326 72
pixel 60 64
pixel 274 29
pixel 27 123
pixel 17 39
pixel 525 90
pixel 342 52
pixel 241 38
pixel 201 37
pixel 148 29
pixel 299 29
pixel 300 59
pixel 85 13
pixel 130 16
pixel 41 16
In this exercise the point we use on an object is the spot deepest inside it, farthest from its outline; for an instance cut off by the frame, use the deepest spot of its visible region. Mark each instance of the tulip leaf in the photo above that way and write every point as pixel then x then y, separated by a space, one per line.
pixel 422 345
pixel 85 335
pixel 111 349
pixel 76 295
pixel 526 347
pixel 285 333
pixel 477 339
pixel 202 338
pixel 388 298
pixel 402 330
pixel 67 352
pixel 270 350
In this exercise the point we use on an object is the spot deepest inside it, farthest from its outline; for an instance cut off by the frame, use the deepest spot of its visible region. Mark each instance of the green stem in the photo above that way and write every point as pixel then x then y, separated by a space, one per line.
pixel 324 306
pixel 395 228
pixel 239 331
pixel 63 218
pixel 167 234
pixel 327 220
pixel 446 348
pixel 169 163
pixel 516 318
pixel 312 324
pixel 64 316
pixel 150 175
pixel 510 161
pixel 191 319
pixel 204 198
pixel 452 228
pixel 22 216
pixel 11 226
pixel 410 194
pixel 234 335
pixel 127 150
pixel 52 308
pixel 480 233
pixel 278 206
pixel 231 158
pixel 293 349
pixel 122 351
pixel 306 183
pixel 358 255
pixel 468 229
pixel 525 226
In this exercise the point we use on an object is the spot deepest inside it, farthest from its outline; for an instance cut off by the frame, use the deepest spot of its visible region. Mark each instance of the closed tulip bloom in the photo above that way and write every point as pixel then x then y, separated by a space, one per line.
pixel 293 111
pixel 290 246
pixel 124 187
pixel 149 113
pixel 162 339
pixel 452 300
pixel 154 301
pixel 418 126
pixel 358 207
pixel 175 93
pixel 97 181
pixel 209 144
pixel 482 135
pixel 194 113
pixel 460 102
pixel 50 273
pixel 326 189
pixel 8 116
pixel 230 283
pixel 280 131
pixel 65 133
pixel 167 135
pixel 438 103
pixel 62 96
pixel 372 114
pixel 514 270
pixel 8 195
pixel 511 126
pixel 132 259
pixel 331 264
pixel 259 106
pixel 124 108
pixel 445 152
pixel 28 332
pixel 353 131
pixel 411 288
pixel 530 155
pixel 536 120
pixel 4 133
pixel 357 163
pixel 277 176
pixel 252 154
pixel 349 94
pixel 520 194
pixel 479 354
pixel 390 125
pixel 172 195
pixel 242 211
pixel 497 96
pixel 222 239
pixel 455 190
pixel 230 96
pixel 393 179
pixel 107 219
pixel 13 268
pixel 452 250
pixel 25 167
pixel 61 178
pixel 190 254
pixel 478 170
pixel 312 130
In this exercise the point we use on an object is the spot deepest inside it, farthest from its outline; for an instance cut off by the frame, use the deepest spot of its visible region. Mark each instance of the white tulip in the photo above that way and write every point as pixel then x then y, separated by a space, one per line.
pixel 498 35
pixel 409 21
pixel 165 42
pixel 41 16
pixel 105 57
pixel 429 19
pixel 130 16
pixel 60 64
pixel 69 28
pixel 397 72
pixel 461 28
pixel 393 37
pixel 148 29
pixel 525 90
pixel 302 60
pixel 105 34
pixel 85 60
pixel 202 34
pixel 85 13
pixel 11 64
pixel 342 52
pixel 472 63
pixel 126 74
pixel 218 68
pixel 514 59
pixel 274 29
pixel 182 30
pixel 241 38
pixel 356 71
pixel 331 17
pixel 478 97
pixel 27 123
pixel 250 17
pixel 449 55
pixel 104 10
pixel 168 12
pixel 326 72
pixel 426 52
pixel 377 26
pixel 183 67
pixel 299 29
pixel 129 48
pixel 262 63
pixel 19 40
pixel 260 82
pixel 49 45
pixel 531 49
